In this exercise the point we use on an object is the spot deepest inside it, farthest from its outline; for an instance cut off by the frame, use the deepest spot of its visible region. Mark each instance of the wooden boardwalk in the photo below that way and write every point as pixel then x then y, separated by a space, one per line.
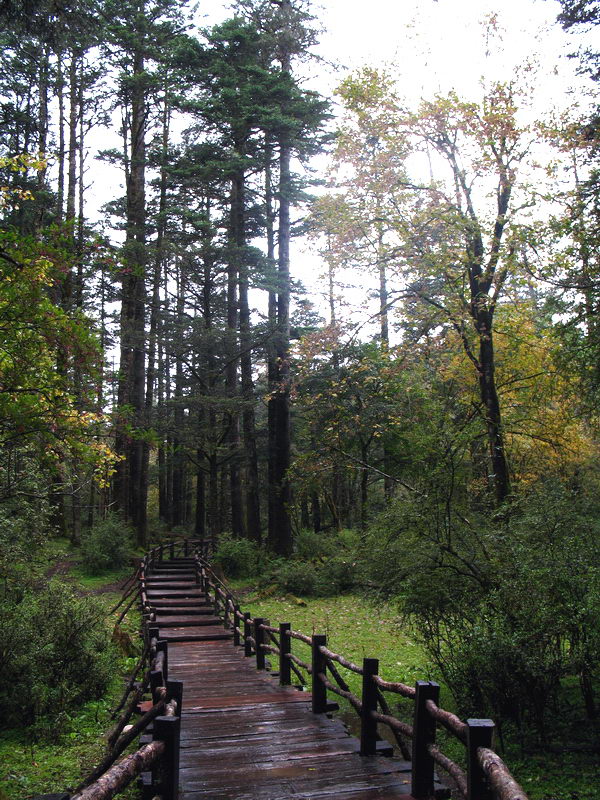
pixel 243 736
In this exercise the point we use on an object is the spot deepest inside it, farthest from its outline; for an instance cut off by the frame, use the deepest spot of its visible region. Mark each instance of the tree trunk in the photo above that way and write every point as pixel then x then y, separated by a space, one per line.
pixel 316 512
pixel 248 417
pixel 129 495
pixel 498 476
pixel 271 349
pixel 178 510
pixel 60 86
pixel 281 528
pixel 231 374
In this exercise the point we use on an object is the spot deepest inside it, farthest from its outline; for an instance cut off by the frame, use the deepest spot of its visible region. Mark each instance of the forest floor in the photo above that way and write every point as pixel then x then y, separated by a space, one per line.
pixel 37 764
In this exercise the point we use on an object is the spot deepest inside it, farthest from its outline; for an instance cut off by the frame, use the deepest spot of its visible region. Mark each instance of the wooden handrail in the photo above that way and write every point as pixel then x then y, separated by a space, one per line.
pixel 301 637
pixel 450 767
pixel 448 720
pixel 351 698
pixel 341 660
pixel 397 687
pixel 120 775
pixel 494 771
pixel 501 781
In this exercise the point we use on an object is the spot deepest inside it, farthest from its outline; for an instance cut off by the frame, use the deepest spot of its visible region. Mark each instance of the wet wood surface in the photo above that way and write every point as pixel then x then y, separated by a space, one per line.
pixel 245 737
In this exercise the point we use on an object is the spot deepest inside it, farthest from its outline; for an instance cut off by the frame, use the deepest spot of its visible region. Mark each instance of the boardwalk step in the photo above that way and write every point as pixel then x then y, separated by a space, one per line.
pixel 182 602
pixel 194 635
pixel 171 584
pixel 185 622
pixel 176 593
pixel 181 610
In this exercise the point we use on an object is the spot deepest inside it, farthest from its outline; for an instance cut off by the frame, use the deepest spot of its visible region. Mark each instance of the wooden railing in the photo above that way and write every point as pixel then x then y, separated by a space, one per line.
pixel 486 776
pixel 157 758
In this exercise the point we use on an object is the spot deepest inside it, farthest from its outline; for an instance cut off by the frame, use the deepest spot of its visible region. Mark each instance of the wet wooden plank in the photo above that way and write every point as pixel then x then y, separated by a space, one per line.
pixel 197 634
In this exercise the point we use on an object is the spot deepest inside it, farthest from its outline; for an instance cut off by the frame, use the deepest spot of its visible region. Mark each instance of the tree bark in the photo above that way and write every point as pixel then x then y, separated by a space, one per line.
pixel 252 500
pixel 131 393
pixel 281 528
pixel 231 373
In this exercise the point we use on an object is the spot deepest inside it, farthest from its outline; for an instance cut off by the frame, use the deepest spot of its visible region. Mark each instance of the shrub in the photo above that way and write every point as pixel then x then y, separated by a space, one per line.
pixel 106 545
pixel 506 605
pixel 296 577
pixel 24 529
pixel 55 653
pixel 335 576
pixel 238 558
pixel 310 545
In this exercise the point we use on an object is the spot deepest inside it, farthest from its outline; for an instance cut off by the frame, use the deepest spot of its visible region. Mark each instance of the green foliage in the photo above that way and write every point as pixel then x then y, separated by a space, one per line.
pixel 310 544
pixel 323 566
pixel 24 522
pixel 238 558
pixel 106 545
pixel 296 577
pixel 506 607
pixel 55 653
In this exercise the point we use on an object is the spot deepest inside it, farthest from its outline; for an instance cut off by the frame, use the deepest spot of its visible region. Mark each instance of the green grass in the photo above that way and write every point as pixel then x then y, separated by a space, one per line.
pixel 356 628
pixel 92 582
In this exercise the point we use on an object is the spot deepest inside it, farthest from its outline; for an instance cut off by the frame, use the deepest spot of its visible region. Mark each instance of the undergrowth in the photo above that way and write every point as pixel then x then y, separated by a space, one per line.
pixel 42 759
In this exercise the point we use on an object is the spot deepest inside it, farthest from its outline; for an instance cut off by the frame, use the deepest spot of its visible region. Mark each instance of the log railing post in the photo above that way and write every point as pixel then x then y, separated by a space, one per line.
pixel 480 733
pixel 226 612
pixel 319 664
pixel 162 646
pixel 168 730
pixel 285 648
pixel 172 550
pixel 368 726
pixel 259 639
pixel 247 633
pixel 423 735
pixel 175 692
pixel 236 625
pixel 158 677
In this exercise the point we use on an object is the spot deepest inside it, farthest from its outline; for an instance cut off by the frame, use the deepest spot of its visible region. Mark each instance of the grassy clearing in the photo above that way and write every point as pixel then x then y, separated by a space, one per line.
pixel 356 628
pixel 38 767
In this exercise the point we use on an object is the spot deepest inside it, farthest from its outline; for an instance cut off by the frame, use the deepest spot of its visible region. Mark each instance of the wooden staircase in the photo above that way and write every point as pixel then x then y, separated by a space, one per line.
pixel 183 612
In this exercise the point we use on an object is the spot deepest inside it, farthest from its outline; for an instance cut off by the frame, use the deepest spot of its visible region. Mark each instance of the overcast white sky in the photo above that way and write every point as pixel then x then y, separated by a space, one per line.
pixel 436 45
pixel 431 45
